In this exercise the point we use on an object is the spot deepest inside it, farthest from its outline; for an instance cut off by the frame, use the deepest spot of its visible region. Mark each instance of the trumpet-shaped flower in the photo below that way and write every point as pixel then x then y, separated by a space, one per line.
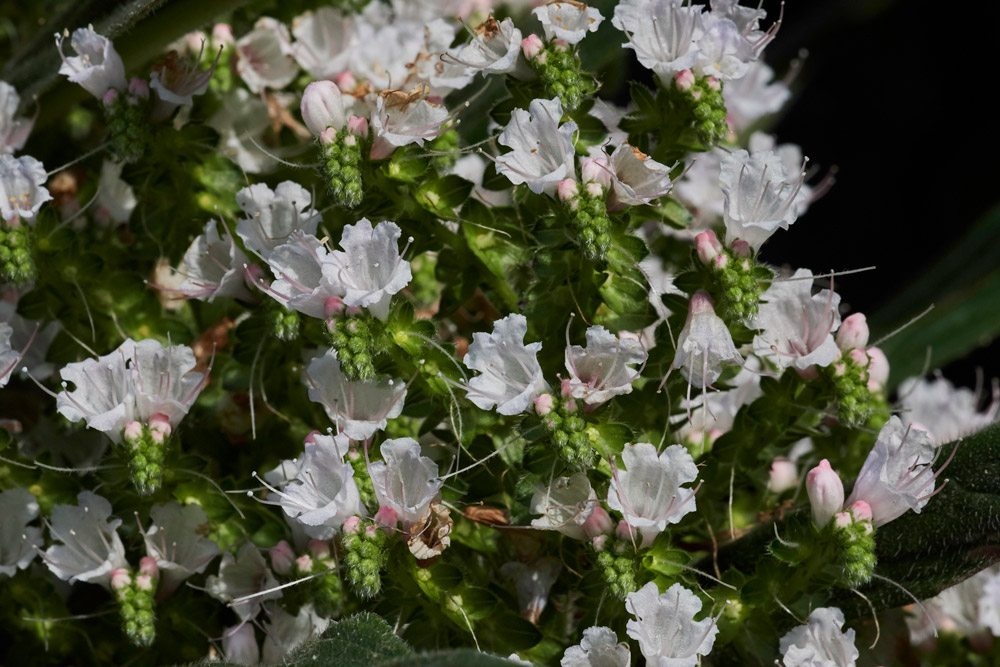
pixel 648 490
pixel 176 80
pixel 245 574
pixel 821 642
pixel 897 475
pixel 603 369
pixel 272 216
pixel 13 131
pixel 300 283
pixel 115 197
pixel 404 481
pixel 663 33
pixel 665 628
pixel 533 582
pixel 753 96
pixel 568 20
pixel 213 267
pixel 18 540
pixel 723 50
pixel 90 547
pixel 370 269
pixel 22 190
pixel 762 195
pixel 542 152
pixel 510 377
pixel 599 648
pixel 705 344
pixel 322 42
pixel 565 505
pixel 285 632
pixel 401 119
pixel 637 179
pixel 937 406
pixel 796 326
pixel 176 539
pixel 97 66
pixel 493 48
pixel 262 56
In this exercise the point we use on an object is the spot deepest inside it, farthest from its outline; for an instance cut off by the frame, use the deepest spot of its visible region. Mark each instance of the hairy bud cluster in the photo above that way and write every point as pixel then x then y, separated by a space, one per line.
pixel 736 275
pixel 358 339
pixel 282 322
pixel 702 96
pixel 559 69
pixel 618 564
pixel 127 116
pixel 588 213
pixel 856 537
pixel 342 156
pixel 17 266
pixel 366 551
pixel 146 448
pixel 134 595
pixel 567 430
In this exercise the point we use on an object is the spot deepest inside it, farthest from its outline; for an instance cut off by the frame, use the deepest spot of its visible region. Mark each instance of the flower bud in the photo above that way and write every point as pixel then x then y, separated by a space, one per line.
pixel 147 566
pixel 160 422
pixel 684 79
pixel 878 369
pixel 531 46
pixel 600 542
pixel 352 525
pixel 222 33
pixel 595 170
pixel 133 431
pixel 357 126
pixel 595 190
pixel 741 248
pixel 861 510
pixel 567 189
pixel 346 82
pixel 120 579
pixel 626 532
pixel 282 557
pixel 322 107
pixel 304 564
pixel 808 373
pixel 110 97
pixel 333 306
pixel 826 493
pixel 721 262
pixel 319 549
pixel 311 438
pixel 328 136
pixel 708 247
pixel 713 83
pixel 544 404
pixel 853 333
pixel 352 311
pixel 387 516
pixel 599 523
pixel 859 357
pixel 139 88
pixel 783 474
pixel 560 44
pixel 842 520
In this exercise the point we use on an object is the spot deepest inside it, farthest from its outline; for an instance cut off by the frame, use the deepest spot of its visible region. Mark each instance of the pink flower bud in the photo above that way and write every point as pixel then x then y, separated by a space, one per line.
pixel 352 311
pixel 139 88
pixel 595 190
pixel 157 437
pixel 859 357
pixel 861 510
pixel 842 520
pixel 878 369
pixel 700 304
pixel 109 97
pixel 222 33
pixel 713 83
pixel 304 564
pixel 708 247
pixel 370 531
pixel 684 79
pixel 531 46
pixel 352 525
pixel 333 306
pixel 853 333
pixel 567 189
pixel 387 516
pixel 600 542
pixel 120 579
pixel 357 126
pixel 322 107
pixel 625 531
pixel 133 431
pixel 566 387
pixel 570 405
pixel 147 566
pixel 560 44
pixel 311 438
pixel 826 493
pixel 353 454
pixel 319 549
pixel 721 262
pixel 808 373
pixel 160 422
pixel 346 82
pixel 599 523
pixel 714 434
pixel 144 582
pixel 696 94
pixel 839 369
pixel 741 248
pixel 783 475
pixel 544 404
pixel 282 557
pixel 328 136
pixel 595 170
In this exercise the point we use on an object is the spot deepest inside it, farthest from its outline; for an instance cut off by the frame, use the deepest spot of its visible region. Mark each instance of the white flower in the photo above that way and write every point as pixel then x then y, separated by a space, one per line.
pixel 820 642
pixel 599 648
pixel 239 645
pixel 969 608
pixel 176 80
pixel 565 505
pixel 271 216
pixel 285 632
pixel 245 574
pixel 494 47
pixel 937 406
pixel 358 408
pixel 323 492
pixel 603 370
pixel 97 66
pixel 705 344
pixel 897 475
pixel 648 490
pixel 753 96
pixel 14 131
pixel 241 121
pixel 405 481
pixel 18 540
pixel 611 117
pixel 663 33
pixel 90 547
pixel 723 51
pixel 436 64
pixel 401 118
pixel 637 178
pixel 382 52
pixel 796 326
pixel 115 198
pixel 9 357
pixel 533 581
pixel 322 42
pixel 792 159
pixel 22 190
pixel 665 628
pixel 716 411
pixel 262 56
pixel 370 269
pixel 542 152
pixel 301 283
pixel 700 188
pixel 175 539
pixel 761 195
pixel 568 20
pixel 28 336
pixel 510 376
pixel 322 107
pixel 213 267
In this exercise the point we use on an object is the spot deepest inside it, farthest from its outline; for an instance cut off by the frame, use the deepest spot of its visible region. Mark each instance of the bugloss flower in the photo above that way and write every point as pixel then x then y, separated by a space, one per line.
pixel 241 122
pixel 897 475
pixel 723 50
pixel 322 42
pixel 404 481
pixel 705 344
pixel 599 648
pixel 323 107
pixel 402 118
pixel 970 608
pixel 301 282
pixel 13 131
pixel 568 20
pixel 370 269
pixel 22 190
pixel 543 153
pixel 272 216
pixel 796 326
pixel 176 80
pixel 636 178
pixel 603 369
pixel 176 540
pixel 753 96
pixel 9 357
pixel 18 540
pixel 663 33
pixel 762 195
pixel 648 491
pixel 213 267
pixel 90 547
pixel 285 632
pixel 533 582
pixel 97 66
pixel 436 64
pixel 262 56
pixel 493 48
pixel 115 197
pixel 937 406
pixel 358 408
pixel 510 376
pixel 820 642
pixel 239 644
pixel 665 628
pixel 565 504
pixel 245 574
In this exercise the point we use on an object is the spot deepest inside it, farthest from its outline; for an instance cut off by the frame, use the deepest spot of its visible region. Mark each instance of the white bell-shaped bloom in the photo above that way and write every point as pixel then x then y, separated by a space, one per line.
pixel 494 47
pixel 723 51
pixel 401 119
pixel 533 582
pixel 90 547
pixel 176 539
pixel 382 50
pixel 239 645
pixel 300 282
pixel 569 21
pixel 821 642
pixel 648 491
pixel 245 574
pixel 565 504
pixel 947 412
pixel 97 66
pixel 599 648
pixel 510 377
pixel 322 42
pixel 897 475
pixel 663 33
pixel 213 267
pixel 796 326
pixel 603 369
pixel 700 190
pixel 262 56
pixel 14 131
pixel 436 64
pixel 753 96
pixel 637 179
pixel 241 122
pixel 177 80
pixel 9 357
pixel 18 540
pixel 272 216
pixel 969 608
pixel 704 345
pixel 165 380
pixel 542 152
pixel 762 195
pixel 358 408
pixel 370 269
pixel 285 632
pixel 115 197
pixel 22 187
pixel 665 628
pixel 405 481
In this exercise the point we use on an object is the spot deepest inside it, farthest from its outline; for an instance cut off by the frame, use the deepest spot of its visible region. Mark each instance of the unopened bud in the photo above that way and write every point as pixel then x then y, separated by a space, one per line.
pixel 599 523
pixel 741 248
pixel 826 493
pixel 560 44
pixel 387 516
pixel 595 170
pixel 311 438
pixel 304 564
pixel 708 247
pixel 334 306
pixel 544 404
pixel 859 357
pixel 319 549
pixel 713 83
pixel 352 311
pixel 222 33
pixel 133 431
pixel 878 369
pixel 357 126
pixel 595 190
pixel 808 373
pixel 861 510
pixel 352 525
pixel 144 582
pixel 328 136
pixel 853 333
pixel 346 82
pixel 139 88
pixel 567 189
pixel 282 557
pixel 684 79
pixel 110 97
pixel 160 422
pixel 783 475
pixel 842 520
pixel 120 579
pixel 626 532
pixel 147 566
pixel 531 46
pixel 600 542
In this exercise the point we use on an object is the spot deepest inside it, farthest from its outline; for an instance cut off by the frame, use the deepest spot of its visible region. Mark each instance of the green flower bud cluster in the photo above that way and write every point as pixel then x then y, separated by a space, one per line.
pixel 850 383
pixel 856 539
pixel 738 286
pixel 449 142
pixel 341 159
pixel 17 265
pixel 146 448
pixel 283 323
pixel 224 75
pixel 326 593
pixel 135 607
pixel 128 126
pixel 568 434
pixel 358 340
pixel 366 551
pixel 704 101
pixel 559 69
pixel 619 566
pixel 590 222
pixel 366 487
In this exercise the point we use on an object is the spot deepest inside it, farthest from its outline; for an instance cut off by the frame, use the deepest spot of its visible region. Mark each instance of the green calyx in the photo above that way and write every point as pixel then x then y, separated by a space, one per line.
pixel 366 553
pixel 17 265
pixel 739 286
pixel 366 487
pixel 283 323
pixel 850 382
pixel 359 340
pixel 857 551
pixel 704 102
pixel 135 608
pixel 146 453
pixel 560 72
pixel 128 126
pixel 342 158
pixel 589 222
pixel 618 566
pixel 568 434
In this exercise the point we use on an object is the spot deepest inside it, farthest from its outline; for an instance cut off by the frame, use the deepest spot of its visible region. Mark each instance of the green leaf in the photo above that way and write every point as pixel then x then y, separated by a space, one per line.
pixel 363 640
pixel 442 196
pixel 405 167
pixel 463 657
